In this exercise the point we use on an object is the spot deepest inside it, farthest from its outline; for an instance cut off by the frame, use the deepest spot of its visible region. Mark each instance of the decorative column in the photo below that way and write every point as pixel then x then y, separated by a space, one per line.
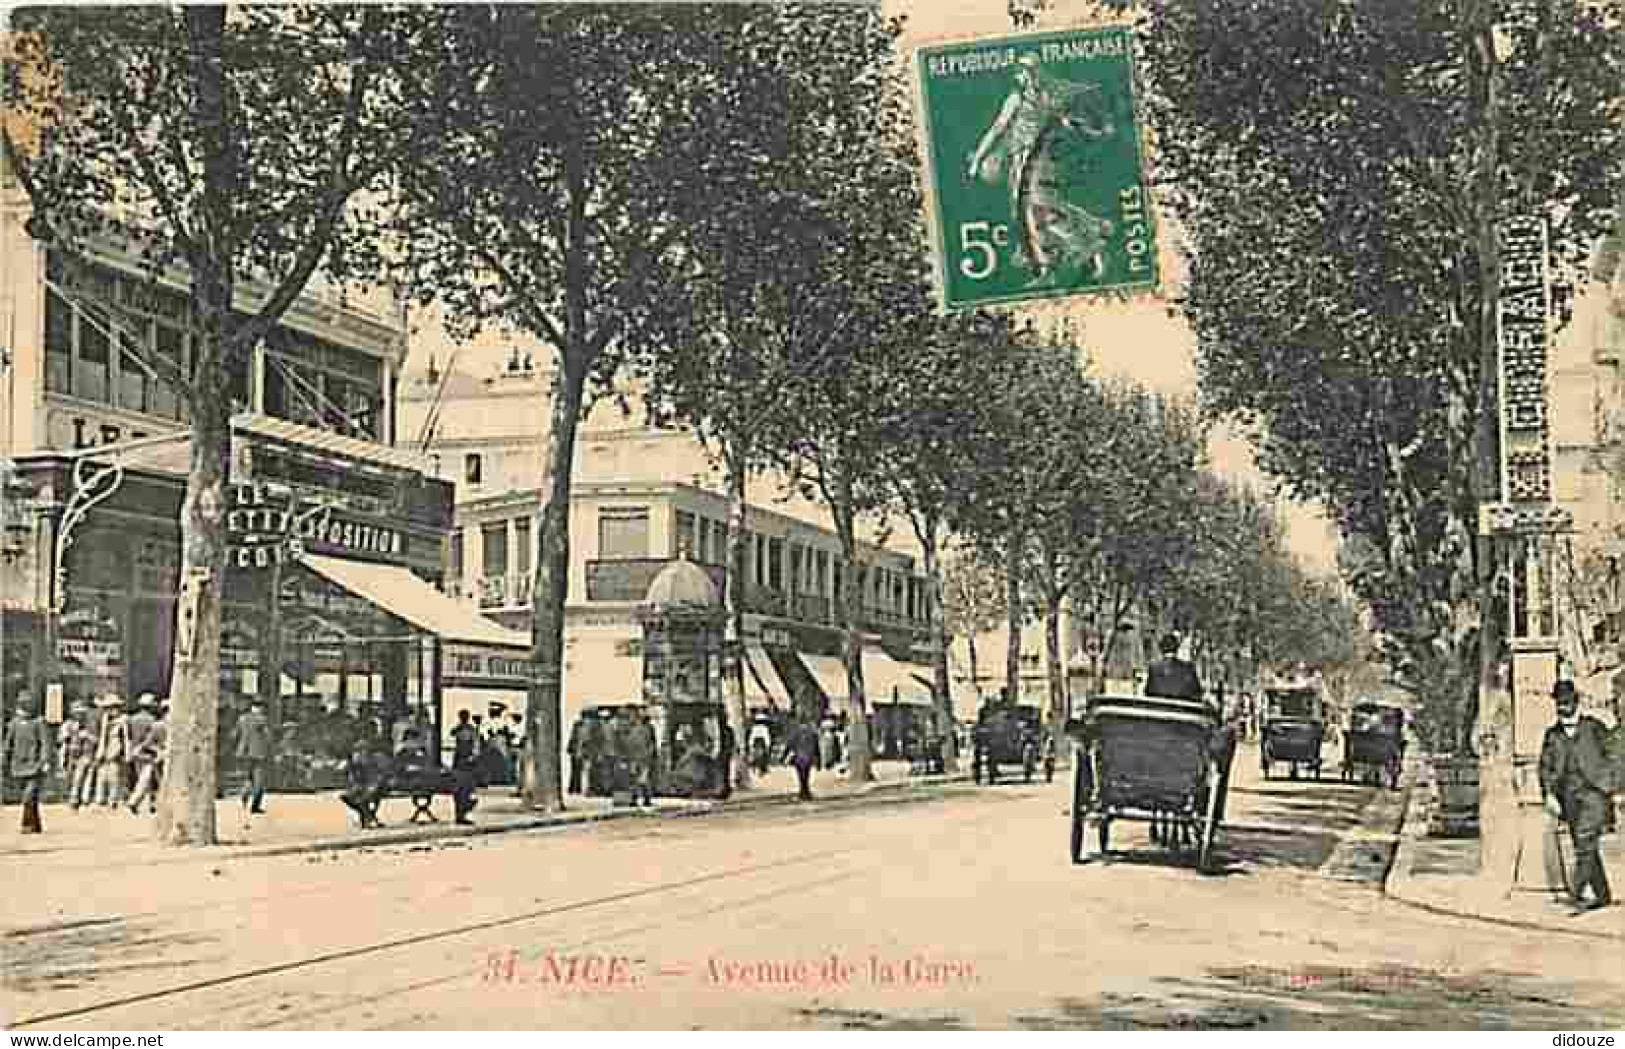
pixel 1527 526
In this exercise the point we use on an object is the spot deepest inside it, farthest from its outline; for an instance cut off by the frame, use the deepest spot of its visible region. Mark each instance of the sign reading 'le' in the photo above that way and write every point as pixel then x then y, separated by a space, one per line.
pixel 1523 312
pixel 1034 166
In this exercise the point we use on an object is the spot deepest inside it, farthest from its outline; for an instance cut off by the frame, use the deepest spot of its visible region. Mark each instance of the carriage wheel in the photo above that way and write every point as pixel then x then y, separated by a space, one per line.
pixel 1207 834
pixel 1079 802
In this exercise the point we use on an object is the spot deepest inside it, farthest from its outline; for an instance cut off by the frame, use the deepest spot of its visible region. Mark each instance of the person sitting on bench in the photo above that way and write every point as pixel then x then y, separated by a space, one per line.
pixel 415 775
pixel 368 781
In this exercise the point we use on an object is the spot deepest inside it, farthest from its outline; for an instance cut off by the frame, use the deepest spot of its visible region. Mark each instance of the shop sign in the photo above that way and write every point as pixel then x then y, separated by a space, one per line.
pixel 1036 177
pixel 268 526
pixel 1524 328
pixel 473 664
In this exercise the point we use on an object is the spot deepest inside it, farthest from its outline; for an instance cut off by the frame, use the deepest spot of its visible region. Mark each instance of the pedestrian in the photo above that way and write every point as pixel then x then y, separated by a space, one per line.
pixel 1171 677
pixel 761 746
pixel 367 779
pixel 27 758
pixel 727 744
pixel 802 751
pixel 254 751
pixel 138 723
pixel 78 754
pixel 579 751
pixel 1576 780
pixel 828 743
pixel 151 752
pixel 112 749
pixel 642 750
pixel 465 749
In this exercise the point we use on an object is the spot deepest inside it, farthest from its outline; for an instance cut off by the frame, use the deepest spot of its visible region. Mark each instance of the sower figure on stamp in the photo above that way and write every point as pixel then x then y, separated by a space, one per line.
pixel 27 758
pixel 1576 778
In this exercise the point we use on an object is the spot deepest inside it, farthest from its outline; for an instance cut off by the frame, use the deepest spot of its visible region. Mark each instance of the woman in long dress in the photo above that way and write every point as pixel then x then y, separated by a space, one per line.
pixel 1023 145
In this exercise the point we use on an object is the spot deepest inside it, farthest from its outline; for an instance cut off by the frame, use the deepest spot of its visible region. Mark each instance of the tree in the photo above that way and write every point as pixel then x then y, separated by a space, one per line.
pixel 234 143
pixel 743 338
pixel 972 600
pixel 1340 172
pixel 622 124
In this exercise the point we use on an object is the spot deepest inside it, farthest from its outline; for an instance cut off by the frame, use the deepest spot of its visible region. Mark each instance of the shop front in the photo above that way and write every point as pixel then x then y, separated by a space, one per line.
pixel 330 615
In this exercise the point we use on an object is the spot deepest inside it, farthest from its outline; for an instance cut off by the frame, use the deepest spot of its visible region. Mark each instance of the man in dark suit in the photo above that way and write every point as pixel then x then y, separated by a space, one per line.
pixel 1576 779
pixel 1171 677
pixel 802 750
pixel 27 758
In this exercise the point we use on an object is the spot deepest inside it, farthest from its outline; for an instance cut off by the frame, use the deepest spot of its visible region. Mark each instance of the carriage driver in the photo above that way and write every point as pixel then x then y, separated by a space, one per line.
pixel 1171 677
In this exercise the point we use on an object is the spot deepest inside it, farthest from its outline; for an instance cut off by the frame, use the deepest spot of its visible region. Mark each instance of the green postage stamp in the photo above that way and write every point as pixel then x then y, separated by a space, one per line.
pixel 1035 169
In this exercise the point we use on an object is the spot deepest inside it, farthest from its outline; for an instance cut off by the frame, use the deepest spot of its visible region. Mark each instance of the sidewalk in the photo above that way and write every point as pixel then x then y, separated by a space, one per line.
pixel 1445 875
pixel 295 823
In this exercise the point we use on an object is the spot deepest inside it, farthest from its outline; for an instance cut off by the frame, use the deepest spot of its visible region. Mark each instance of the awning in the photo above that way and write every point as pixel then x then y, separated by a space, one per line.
pixel 763 685
pixel 830 674
pixel 403 595
pixel 886 681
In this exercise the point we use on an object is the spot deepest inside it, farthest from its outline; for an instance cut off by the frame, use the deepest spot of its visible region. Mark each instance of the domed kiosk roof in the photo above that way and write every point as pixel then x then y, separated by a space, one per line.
pixel 682 584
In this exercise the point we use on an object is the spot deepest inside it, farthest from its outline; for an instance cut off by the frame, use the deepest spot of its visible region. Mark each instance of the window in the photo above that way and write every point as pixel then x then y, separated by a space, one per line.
pixel 323 385
pixel 494 549
pixel 521 542
pixel 685 544
pixel 169 346
pixel 471 467
pixel 797 581
pixel 134 339
pixel 58 344
pixel 623 532
pixel 775 564
pixel 90 370
pixel 454 571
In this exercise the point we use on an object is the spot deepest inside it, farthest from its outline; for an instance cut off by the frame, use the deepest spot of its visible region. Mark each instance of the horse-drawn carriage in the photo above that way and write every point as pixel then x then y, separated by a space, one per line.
pixel 1010 734
pixel 1294 730
pixel 1374 743
pixel 1165 761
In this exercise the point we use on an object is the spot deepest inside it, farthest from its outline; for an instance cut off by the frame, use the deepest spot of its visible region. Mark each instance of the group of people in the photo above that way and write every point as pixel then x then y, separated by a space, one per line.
pixel 105 757
pixel 613 749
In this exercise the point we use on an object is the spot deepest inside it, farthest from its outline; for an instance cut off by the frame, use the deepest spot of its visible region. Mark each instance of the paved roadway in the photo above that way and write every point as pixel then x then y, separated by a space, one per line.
pixel 957 911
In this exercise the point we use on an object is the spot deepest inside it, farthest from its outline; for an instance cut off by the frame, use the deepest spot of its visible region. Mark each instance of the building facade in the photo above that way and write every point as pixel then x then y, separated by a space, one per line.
pixel 642 497
pixel 332 612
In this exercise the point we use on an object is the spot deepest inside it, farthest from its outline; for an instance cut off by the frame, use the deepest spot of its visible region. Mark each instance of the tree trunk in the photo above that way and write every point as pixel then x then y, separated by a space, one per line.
pixel 186 814
pixel 941 686
pixel 1058 712
pixel 857 739
pixel 1013 619
pixel 543 783
pixel 733 601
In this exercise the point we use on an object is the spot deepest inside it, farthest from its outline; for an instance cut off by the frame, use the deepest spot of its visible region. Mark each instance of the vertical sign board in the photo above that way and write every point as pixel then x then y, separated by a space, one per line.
pixel 1523 313
pixel 1035 173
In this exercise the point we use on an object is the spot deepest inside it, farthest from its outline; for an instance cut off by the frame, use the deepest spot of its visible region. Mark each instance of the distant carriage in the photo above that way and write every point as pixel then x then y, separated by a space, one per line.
pixel 1009 734
pixel 1294 730
pixel 1164 761
pixel 1374 743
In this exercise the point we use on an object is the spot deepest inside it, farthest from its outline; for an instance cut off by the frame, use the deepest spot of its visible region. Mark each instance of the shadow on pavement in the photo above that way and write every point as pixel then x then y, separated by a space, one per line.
pixel 84 954
pixel 870 1020
pixel 1331 998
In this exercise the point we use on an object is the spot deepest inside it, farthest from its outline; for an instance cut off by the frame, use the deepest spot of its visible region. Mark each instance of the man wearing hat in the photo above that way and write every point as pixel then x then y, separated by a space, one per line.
pixel 112 750
pixel 150 743
pixel 27 757
pixel 78 753
pixel 254 751
pixel 1576 780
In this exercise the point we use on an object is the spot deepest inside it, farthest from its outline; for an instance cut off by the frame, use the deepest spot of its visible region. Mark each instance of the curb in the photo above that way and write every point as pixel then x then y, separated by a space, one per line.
pixel 452 832
pixel 1399 887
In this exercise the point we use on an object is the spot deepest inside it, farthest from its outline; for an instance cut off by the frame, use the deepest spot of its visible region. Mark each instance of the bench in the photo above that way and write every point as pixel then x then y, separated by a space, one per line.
pixel 422 786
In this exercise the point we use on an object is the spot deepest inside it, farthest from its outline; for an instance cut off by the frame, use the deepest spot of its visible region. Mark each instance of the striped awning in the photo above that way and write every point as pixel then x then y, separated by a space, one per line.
pixel 763 685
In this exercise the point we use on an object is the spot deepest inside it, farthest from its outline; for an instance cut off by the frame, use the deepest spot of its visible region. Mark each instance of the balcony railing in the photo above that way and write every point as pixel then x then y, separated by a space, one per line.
pixel 509 591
